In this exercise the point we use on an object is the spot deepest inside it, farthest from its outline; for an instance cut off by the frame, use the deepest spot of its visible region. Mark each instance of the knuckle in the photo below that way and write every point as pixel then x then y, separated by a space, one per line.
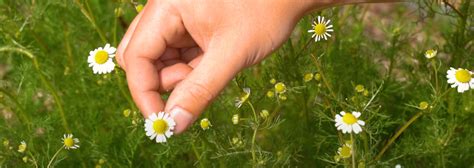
pixel 199 92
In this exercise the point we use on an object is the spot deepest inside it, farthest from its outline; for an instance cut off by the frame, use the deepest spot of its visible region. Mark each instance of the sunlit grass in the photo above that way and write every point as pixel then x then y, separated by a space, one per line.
pixel 374 62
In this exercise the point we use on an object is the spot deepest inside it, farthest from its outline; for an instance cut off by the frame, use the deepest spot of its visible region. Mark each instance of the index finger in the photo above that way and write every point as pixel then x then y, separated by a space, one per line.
pixel 146 45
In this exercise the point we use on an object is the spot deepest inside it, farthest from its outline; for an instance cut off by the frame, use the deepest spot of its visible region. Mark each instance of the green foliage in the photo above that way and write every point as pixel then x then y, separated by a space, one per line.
pixel 47 90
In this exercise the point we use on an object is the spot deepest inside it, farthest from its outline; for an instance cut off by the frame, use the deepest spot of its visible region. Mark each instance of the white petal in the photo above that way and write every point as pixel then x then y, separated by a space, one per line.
pixel 360 122
pixel 356 114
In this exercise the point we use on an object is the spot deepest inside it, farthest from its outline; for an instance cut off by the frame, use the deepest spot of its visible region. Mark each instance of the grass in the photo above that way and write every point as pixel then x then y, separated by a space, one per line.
pixel 47 90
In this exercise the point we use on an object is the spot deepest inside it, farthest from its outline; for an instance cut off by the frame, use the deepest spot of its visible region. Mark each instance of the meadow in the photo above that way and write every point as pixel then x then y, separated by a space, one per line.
pixel 377 62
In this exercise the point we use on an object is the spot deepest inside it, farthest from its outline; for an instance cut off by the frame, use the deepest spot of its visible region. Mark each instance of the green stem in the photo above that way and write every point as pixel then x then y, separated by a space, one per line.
pixel 198 156
pixel 254 156
pixel 397 134
pixel 54 156
pixel 88 14
pixel 353 151
pixel 43 80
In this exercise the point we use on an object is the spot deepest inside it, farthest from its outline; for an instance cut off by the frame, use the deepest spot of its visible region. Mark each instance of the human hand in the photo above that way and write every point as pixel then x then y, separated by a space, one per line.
pixel 194 48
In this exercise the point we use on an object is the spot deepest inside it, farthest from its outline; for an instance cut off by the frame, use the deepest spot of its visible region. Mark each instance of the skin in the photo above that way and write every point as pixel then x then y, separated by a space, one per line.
pixel 193 48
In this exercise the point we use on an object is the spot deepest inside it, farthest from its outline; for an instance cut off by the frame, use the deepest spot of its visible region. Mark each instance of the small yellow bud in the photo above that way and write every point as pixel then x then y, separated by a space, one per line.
pixel 127 112
pixel 270 94
pixel 205 124
pixel 308 77
pixel 317 76
pixel 273 81
pixel 25 159
pixel 366 93
pixel 139 8
pixel 360 88
pixel 423 105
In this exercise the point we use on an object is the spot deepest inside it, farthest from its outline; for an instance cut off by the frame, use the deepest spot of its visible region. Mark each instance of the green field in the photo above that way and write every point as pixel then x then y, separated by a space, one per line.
pixel 374 63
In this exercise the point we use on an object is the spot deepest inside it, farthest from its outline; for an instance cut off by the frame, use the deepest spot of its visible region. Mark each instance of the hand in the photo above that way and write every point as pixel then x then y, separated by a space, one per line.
pixel 194 48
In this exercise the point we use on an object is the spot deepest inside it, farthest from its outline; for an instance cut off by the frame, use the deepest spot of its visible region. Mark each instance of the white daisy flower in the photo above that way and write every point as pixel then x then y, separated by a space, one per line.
pixel 349 122
pixel 69 142
pixel 461 78
pixel 100 59
pixel 241 100
pixel 320 30
pixel 430 53
pixel 159 126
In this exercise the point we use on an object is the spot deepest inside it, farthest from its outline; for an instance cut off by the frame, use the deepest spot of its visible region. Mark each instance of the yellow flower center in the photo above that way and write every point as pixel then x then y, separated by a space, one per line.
pixel 345 151
pixel 280 87
pixel 160 126
pixel 205 124
pixel 348 118
pixel 463 76
pixel 101 57
pixel 320 29
pixel 68 142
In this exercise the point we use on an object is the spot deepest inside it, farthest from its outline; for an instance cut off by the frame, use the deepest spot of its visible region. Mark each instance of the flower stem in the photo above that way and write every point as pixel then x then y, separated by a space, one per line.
pixel 397 134
pixel 353 151
pixel 255 128
pixel 54 156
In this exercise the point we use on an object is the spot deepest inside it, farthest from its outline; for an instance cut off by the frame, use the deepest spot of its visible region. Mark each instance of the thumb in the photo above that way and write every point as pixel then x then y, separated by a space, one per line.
pixel 192 95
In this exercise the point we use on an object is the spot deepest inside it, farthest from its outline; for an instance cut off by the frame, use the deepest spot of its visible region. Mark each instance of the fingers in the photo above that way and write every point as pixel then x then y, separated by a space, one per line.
pixel 147 44
pixel 191 96
pixel 171 75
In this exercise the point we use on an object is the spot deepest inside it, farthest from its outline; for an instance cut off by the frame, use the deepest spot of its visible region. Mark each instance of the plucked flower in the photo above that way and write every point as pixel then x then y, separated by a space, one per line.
pixel 159 126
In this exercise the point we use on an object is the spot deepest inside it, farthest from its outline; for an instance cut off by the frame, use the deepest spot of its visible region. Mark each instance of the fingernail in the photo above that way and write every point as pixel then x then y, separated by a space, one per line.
pixel 182 118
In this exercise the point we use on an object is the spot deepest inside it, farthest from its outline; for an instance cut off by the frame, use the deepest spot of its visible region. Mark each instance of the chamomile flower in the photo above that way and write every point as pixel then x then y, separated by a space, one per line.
pixel 100 59
pixel 159 126
pixel 280 88
pixel 359 88
pixel 241 100
pixel 345 151
pixel 205 124
pixel 69 142
pixel 461 78
pixel 349 122
pixel 320 29
pixel 430 53
pixel 22 147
